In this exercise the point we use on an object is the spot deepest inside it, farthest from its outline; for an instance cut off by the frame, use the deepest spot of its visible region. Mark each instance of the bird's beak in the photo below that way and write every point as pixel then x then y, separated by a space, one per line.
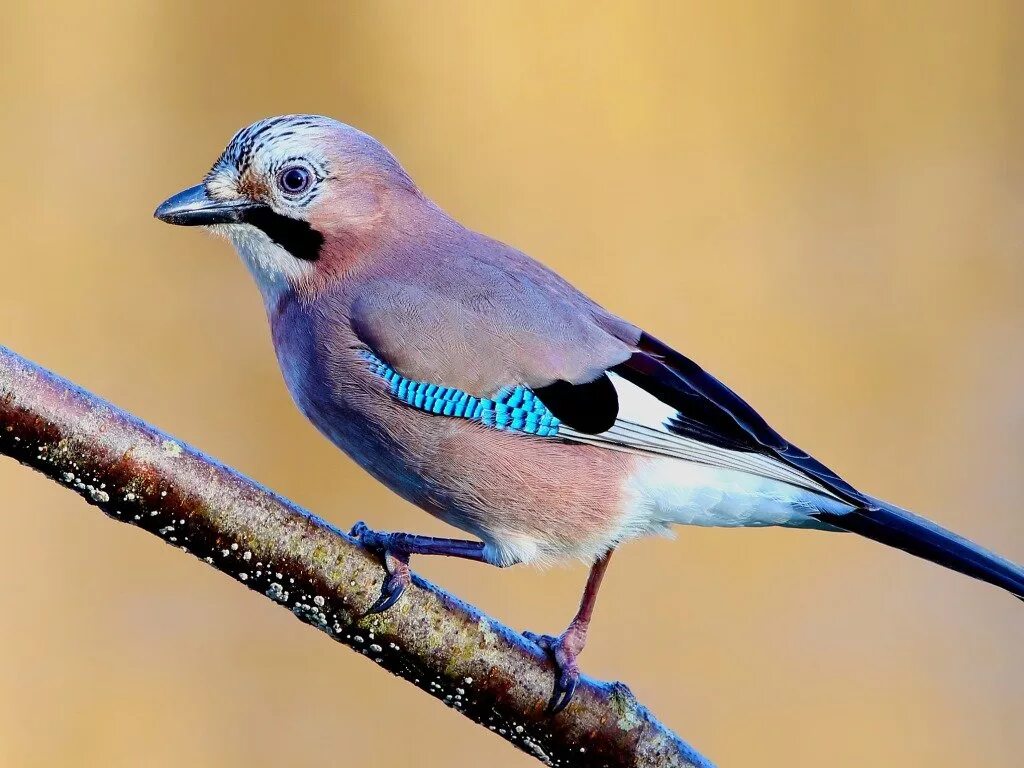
pixel 192 207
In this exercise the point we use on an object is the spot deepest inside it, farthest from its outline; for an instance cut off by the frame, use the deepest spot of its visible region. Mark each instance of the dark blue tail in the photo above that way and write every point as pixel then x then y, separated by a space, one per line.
pixel 903 530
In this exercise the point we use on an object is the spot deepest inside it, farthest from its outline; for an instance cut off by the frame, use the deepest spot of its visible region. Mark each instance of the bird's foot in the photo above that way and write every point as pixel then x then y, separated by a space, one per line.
pixel 563 651
pixel 395 550
pixel 369 538
pixel 396 563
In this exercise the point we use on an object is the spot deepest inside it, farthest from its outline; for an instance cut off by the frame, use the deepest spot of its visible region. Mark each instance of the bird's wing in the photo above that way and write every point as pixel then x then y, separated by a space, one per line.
pixel 665 404
pixel 495 322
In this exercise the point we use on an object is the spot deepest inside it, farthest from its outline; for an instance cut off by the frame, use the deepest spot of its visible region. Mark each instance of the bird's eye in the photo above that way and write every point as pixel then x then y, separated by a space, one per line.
pixel 295 179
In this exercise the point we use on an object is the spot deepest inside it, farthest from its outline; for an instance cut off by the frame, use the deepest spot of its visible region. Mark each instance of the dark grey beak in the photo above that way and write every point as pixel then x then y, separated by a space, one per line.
pixel 192 207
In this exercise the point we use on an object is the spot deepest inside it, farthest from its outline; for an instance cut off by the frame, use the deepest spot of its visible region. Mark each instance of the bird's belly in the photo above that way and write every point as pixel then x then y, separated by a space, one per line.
pixel 528 498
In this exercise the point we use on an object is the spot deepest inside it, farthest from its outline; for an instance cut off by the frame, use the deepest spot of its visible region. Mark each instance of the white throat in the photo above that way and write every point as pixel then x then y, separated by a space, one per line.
pixel 273 268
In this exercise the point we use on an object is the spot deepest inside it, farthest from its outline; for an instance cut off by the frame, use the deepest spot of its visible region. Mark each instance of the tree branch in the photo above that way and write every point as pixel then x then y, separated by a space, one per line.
pixel 471 663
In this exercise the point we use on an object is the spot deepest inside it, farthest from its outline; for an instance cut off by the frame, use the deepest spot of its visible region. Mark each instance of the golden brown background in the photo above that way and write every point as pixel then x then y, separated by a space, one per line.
pixel 823 202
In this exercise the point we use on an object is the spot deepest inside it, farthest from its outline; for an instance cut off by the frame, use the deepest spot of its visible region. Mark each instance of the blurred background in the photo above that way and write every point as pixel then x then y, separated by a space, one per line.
pixel 821 202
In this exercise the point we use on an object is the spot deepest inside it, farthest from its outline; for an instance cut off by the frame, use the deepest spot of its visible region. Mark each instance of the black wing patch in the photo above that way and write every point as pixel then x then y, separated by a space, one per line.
pixel 590 408
pixel 711 412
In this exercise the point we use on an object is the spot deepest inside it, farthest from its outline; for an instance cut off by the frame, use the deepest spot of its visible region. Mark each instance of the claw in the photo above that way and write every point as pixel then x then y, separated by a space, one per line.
pixel 395 563
pixel 392 590
pixel 566 687
pixel 568 673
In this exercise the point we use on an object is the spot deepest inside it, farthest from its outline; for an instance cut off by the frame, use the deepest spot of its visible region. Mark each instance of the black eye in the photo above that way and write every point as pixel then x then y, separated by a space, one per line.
pixel 295 179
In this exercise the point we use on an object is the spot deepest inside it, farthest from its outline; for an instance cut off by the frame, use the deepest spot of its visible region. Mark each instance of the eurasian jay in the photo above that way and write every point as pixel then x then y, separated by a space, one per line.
pixel 487 390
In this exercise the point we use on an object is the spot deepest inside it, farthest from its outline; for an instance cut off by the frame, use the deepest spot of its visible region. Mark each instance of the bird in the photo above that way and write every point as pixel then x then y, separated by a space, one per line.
pixel 484 388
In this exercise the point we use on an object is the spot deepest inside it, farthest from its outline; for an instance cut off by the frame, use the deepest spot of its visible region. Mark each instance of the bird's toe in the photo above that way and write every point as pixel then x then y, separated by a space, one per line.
pixel 367 537
pixel 396 564
pixel 567 673
pixel 544 641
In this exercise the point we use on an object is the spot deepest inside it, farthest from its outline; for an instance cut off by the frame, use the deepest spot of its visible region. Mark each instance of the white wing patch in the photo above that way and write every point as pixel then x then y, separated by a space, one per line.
pixel 641 428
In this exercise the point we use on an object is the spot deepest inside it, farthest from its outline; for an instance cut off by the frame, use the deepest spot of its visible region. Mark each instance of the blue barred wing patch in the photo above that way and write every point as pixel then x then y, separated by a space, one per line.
pixel 512 408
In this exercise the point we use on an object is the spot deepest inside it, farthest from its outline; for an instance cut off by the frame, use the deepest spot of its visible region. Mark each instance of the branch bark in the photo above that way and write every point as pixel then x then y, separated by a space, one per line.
pixel 460 656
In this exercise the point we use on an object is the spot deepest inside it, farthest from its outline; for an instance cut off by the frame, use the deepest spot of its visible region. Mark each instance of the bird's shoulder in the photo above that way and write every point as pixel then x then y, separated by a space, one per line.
pixel 480 316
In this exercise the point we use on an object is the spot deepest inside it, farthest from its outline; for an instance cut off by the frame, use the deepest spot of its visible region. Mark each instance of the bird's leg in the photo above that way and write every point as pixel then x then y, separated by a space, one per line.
pixel 564 649
pixel 395 550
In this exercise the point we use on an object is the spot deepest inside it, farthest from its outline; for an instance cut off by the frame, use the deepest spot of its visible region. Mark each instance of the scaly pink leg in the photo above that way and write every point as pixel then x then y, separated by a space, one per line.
pixel 564 649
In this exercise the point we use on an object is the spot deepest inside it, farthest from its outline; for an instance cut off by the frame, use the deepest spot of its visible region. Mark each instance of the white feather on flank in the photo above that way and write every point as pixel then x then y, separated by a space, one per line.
pixel 667 492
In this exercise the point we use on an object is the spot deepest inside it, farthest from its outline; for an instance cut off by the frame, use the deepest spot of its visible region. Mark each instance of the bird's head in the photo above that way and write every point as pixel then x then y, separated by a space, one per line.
pixel 297 195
